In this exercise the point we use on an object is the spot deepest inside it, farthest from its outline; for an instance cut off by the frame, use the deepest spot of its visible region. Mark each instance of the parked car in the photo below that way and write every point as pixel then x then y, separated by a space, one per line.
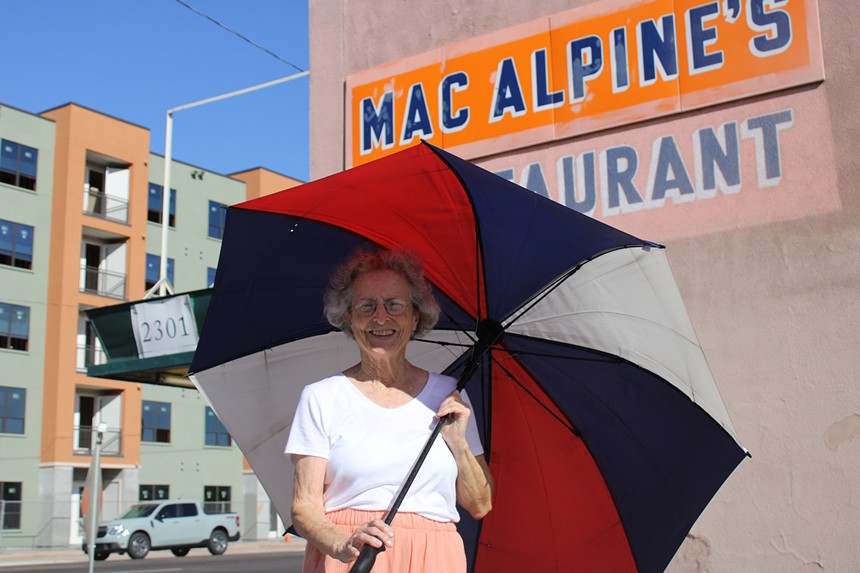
pixel 178 525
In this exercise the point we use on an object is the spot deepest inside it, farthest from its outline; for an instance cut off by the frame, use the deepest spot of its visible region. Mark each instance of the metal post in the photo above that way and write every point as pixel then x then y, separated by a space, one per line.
pixel 93 508
pixel 163 285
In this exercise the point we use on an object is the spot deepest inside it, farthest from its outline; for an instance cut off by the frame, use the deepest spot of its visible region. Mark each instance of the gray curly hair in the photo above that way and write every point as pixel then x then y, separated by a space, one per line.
pixel 338 296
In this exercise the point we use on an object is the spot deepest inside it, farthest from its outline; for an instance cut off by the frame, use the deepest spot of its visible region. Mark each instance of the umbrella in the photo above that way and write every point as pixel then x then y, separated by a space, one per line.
pixel 602 424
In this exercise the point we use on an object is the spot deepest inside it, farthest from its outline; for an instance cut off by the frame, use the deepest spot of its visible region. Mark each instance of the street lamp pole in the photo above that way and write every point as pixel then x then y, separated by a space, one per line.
pixel 94 496
pixel 163 286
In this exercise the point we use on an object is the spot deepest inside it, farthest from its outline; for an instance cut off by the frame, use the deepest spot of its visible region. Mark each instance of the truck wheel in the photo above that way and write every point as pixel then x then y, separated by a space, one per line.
pixel 217 543
pixel 180 551
pixel 101 555
pixel 138 545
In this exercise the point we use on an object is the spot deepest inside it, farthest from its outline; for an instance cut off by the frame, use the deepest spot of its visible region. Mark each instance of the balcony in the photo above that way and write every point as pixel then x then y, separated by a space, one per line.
pixel 100 204
pixel 85 441
pixel 89 355
pixel 103 283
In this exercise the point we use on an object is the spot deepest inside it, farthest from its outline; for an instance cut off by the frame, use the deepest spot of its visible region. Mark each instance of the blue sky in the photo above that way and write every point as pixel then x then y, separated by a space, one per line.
pixel 135 59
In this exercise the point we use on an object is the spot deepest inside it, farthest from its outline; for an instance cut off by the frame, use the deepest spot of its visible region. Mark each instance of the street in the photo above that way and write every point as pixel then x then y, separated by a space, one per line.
pixel 274 562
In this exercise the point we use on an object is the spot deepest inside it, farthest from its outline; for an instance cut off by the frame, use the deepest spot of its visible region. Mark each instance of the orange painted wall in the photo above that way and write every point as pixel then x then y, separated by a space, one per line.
pixel 80 130
pixel 261 181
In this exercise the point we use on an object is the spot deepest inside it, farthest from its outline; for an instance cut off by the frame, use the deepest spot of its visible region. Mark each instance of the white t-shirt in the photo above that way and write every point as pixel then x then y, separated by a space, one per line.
pixel 371 449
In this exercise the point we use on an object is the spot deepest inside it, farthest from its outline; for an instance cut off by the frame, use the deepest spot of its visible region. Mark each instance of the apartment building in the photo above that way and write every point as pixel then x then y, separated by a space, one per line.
pixel 80 227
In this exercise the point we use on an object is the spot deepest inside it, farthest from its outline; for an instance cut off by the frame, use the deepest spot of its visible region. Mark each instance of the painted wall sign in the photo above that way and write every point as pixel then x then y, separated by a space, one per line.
pixel 602 65
pixel 737 166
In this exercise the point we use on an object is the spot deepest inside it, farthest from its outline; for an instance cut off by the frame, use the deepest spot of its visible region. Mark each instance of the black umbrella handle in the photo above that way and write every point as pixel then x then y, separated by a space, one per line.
pixel 366 559
pixel 490 332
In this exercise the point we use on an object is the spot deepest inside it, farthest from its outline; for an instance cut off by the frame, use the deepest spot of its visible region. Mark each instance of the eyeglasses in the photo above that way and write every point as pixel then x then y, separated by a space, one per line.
pixel 367 307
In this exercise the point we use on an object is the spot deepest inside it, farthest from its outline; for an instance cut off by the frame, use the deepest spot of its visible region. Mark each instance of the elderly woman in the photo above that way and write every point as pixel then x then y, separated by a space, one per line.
pixel 357 434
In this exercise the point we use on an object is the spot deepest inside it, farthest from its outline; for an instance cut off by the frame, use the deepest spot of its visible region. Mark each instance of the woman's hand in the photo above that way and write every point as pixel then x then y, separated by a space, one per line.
pixel 310 520
pixel 454 429
pixel 373 533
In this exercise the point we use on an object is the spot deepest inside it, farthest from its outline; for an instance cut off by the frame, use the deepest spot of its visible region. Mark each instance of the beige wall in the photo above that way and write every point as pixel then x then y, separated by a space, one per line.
pixel 773 289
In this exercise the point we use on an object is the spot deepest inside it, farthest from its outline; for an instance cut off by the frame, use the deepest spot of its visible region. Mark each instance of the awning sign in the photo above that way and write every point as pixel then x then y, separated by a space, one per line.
pixel 602 65
pixel 165 326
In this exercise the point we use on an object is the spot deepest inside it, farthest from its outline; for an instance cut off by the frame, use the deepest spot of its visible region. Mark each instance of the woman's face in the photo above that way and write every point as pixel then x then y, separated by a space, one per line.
pixel 381 314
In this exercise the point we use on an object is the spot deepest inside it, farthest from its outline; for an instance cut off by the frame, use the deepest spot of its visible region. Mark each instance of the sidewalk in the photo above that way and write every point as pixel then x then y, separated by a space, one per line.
pixel 10 557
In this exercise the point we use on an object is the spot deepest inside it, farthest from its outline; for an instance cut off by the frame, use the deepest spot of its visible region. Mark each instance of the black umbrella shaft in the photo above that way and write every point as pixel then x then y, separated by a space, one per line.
pixel 368 554
pixel 489 333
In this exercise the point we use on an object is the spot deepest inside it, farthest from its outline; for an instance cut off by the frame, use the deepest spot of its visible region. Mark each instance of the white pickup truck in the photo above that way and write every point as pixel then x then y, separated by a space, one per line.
pixel 178 525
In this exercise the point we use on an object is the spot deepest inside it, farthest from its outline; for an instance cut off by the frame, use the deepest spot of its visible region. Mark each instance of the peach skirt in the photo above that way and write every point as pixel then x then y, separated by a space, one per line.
pixel 421 545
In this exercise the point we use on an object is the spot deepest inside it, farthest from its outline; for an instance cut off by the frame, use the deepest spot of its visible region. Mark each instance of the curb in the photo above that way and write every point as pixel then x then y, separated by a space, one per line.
pixel 18 557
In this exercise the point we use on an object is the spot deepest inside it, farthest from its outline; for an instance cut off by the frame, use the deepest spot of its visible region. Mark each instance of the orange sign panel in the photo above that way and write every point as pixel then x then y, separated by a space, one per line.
pixel 602 65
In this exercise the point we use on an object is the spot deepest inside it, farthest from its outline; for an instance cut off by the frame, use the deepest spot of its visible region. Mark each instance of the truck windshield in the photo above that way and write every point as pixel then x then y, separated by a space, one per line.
pixel 142 510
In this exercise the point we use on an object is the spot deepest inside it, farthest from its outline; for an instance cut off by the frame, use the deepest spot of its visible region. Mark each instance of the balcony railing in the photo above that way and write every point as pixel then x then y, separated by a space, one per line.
pixel 104 283
pixel 89 354
pixel 85 441
pixel 100 204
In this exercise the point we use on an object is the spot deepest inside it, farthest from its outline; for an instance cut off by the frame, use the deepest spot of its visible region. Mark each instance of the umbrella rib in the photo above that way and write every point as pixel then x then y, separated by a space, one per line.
pixel 566 423
pixel 553 284
pixel 479 263
pixel 545 292
pixel 445 343
pixel 608 358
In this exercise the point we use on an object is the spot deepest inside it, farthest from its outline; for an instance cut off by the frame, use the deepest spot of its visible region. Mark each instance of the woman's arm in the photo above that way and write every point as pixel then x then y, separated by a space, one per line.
pixel 310 520
pixel 474 482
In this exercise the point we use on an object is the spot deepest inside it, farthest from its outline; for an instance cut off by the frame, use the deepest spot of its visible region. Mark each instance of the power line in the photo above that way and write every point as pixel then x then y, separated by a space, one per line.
pixel 214 21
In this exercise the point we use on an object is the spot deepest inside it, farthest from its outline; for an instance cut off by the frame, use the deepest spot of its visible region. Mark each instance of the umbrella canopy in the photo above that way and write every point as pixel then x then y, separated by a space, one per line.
pixel 603 427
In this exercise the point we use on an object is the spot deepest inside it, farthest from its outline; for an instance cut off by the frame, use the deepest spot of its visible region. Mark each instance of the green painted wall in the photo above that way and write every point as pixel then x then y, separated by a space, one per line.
pixel 187 465
pixel 189 244
pixel 19 454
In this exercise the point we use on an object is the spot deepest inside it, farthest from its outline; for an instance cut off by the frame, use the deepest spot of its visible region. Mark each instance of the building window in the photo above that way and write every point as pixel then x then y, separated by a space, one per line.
pixel 217 215
pixel 11 504
pixel 156 202
pixel 216 499
pixel 155 425
pixel 16 245
pixel 154 492
pixel 216 433
pixel 14 326
pixel 12 407
pixel 210 277
pixel 18 164
pixel 153 270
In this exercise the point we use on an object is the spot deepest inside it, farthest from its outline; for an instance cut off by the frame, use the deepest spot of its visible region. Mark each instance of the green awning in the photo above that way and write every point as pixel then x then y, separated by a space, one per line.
pixel 150 341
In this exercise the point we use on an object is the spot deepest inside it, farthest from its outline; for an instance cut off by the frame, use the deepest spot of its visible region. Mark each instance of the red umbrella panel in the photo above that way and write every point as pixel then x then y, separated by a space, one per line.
pixel 602 424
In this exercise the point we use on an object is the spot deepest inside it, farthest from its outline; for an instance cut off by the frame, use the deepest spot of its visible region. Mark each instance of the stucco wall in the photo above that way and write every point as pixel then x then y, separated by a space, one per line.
pixel 773 297
pixel 29 288
pixel 189 245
